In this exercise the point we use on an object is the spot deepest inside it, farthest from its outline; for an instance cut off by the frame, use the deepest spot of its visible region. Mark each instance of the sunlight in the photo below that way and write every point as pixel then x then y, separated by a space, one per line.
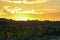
pixel 22 18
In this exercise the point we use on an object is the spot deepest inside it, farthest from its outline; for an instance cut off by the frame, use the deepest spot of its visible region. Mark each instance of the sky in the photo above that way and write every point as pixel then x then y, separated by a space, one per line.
pixel 30 10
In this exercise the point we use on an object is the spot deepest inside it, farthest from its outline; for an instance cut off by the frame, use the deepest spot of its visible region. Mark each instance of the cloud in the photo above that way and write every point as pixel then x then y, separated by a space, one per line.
pixel 26 2
pixel 18 10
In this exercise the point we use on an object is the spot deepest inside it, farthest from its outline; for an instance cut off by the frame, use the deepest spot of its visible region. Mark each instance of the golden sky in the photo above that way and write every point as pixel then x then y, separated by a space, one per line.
pixel 30 9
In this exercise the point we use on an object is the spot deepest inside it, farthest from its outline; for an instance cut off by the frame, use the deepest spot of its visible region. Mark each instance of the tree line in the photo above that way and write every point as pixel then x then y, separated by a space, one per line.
pixel 26 30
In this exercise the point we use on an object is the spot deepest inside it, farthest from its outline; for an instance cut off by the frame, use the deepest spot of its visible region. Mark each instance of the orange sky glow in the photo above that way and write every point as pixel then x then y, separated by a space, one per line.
pixel 30 10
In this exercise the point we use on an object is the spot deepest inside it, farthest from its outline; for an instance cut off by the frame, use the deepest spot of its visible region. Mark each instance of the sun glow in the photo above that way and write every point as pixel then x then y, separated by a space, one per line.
pixel 22 18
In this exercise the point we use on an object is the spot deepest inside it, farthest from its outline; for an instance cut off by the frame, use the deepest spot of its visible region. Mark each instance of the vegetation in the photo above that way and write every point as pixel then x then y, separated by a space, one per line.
pixel 28 30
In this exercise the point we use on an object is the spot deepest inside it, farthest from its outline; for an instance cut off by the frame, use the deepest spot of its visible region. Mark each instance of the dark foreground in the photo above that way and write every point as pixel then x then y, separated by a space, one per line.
pixel 29 30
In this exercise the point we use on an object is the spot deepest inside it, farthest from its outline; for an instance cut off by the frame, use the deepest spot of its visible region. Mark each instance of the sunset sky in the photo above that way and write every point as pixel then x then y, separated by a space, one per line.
pixel 30 9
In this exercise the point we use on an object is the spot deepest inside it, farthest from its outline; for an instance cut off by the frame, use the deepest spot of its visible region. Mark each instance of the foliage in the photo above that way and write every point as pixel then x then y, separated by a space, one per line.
pixel 28 30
